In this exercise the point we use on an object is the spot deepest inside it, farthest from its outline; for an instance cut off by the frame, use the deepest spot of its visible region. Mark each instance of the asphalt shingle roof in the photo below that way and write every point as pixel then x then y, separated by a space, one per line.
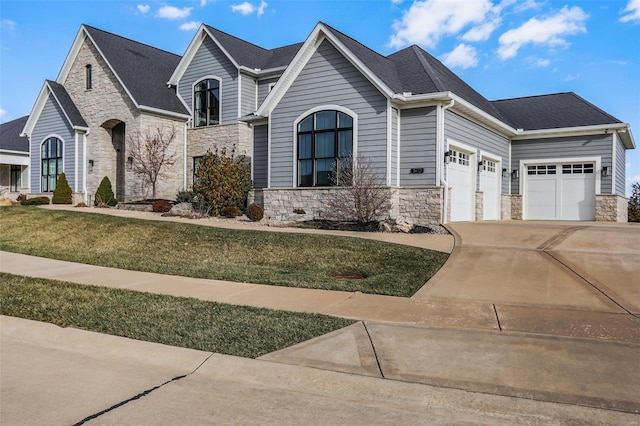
pixel 552 111
pixel 67 104
pixel 144 70
pixel 10 138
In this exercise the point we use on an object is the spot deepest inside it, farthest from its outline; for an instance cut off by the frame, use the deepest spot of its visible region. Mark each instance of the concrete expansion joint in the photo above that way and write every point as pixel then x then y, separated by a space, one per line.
pixel 375 353
pixel 495 311
pixel 140 395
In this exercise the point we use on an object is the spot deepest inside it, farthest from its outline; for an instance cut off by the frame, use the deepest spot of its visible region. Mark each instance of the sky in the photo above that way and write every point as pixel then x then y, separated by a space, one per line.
pixel 503 49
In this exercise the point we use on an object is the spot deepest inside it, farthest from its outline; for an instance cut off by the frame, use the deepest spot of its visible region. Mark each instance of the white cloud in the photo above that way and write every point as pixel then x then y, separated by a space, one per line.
pixel 396 1
pixel 190 26
pixel 482 32
pixel 528 5
pixel 632 12
pixel 427 21
pixel 247 8
pixel 463 56
pixel 550 31
pixel 172 12
pixel 572 77
pixel 203 3
pixel 8 24
pixel 634 179
pixel 3 113
pixel 542 63
pixel 144 8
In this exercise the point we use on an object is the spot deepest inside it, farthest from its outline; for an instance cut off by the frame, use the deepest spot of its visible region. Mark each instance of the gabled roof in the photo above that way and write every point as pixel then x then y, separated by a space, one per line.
pixel 10 139
pixel 142 69
pixel 62 98
pixel 240 51
pixel 552 111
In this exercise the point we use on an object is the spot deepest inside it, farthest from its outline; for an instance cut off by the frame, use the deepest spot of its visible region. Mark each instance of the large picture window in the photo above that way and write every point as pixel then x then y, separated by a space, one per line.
pixel 325 138
pixel 206 103
pixel 51 163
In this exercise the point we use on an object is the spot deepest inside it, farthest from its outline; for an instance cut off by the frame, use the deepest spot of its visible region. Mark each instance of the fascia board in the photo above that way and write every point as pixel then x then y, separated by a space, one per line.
pixel 623 129
pixel 233 61
pixel 188 56
pixel 144 108
pixel 487 118
pixel 62 108
pixel 14 157
pixel 71 56
pixel 34 115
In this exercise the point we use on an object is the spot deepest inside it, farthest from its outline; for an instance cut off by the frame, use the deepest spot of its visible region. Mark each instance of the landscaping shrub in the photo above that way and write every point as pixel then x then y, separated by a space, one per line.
pixel 36 201
pixel 161 206
pixel 222 180
pixel 104 194
pixel 230 212
pixel 81 204
pixel 255 212
pixel 62 193
pixel 21 198
pixel 184 197
pixel 634 203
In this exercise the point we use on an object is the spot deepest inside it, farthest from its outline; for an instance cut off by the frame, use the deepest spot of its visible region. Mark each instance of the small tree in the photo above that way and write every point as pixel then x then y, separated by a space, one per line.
pixel 104 194
pixel 362 197
pixel 222 180
pixel 634 203
pixel 62 193
pixel 150 153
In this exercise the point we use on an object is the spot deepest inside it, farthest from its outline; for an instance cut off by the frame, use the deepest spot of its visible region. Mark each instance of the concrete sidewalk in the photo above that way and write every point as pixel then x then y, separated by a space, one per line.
pixel 61 376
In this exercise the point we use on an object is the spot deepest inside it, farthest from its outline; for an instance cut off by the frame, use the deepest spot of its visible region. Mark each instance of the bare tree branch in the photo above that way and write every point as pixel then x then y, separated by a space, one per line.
pixel 150 153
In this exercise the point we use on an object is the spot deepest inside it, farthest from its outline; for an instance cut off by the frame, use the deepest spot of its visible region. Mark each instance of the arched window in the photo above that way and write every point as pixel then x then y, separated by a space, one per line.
pixel 324 139
pixel 51 162
pixel 206 102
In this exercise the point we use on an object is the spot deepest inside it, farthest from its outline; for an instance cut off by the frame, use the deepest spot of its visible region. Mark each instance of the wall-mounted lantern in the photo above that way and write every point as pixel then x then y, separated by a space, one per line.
pixel 129 163
pixel 480 166
pixel 447 156
pixel 606 171
pixel 504 173
pixel 514 174
pixel 90 165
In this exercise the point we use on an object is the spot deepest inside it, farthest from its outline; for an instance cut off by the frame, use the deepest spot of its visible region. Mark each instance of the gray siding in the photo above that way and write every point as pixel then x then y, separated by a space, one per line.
pixel 52 121
pixel 465 131
pixel 418 146
pixel 329 78
pixel 248 89
pixel 81 163
pixel 576 146
pixel 621 163
pixel 209 60
pixel 263 88
pixel 260 156
pixel 394 146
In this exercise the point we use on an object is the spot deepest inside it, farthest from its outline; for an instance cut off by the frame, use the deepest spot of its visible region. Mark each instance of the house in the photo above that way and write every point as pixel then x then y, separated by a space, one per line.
pixel 442 150
pixel 14 159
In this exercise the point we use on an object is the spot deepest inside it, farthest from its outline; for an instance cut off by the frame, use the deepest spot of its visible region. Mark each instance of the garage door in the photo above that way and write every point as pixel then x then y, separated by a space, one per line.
pixel 490 192
pixel 460 179
pixel 560 192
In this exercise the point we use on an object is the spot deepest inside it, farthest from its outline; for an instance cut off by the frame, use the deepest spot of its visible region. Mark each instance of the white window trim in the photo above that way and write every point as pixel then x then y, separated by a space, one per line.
pixel 304 115
pixel 193 99
pixel 52 135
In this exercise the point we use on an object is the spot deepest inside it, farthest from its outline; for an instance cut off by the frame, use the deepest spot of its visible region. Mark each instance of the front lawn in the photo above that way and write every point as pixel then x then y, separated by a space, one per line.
pixel 177 321
pixel 261 257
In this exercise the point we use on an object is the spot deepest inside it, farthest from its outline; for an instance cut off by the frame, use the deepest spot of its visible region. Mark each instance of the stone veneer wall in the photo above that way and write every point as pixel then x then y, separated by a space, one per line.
pixel 611 208
pixel 516 206
pixel 505 207
pixel 204 139
pixel 479 206
pixel 421 205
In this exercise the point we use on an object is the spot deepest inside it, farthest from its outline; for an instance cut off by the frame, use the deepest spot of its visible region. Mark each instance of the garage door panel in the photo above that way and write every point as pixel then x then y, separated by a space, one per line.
pixel 541 198
pixel 490 193
pixel 578 202
pixel 460 179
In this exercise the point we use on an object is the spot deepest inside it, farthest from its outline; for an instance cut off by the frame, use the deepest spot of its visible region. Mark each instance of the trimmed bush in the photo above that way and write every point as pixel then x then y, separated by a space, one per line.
pixel 184 197
pixel 21 198
pixel 230 212
pixel 634 203
pixel 62 193
pixel 104 194
pixel 36 201
pixel 255 212
pixel 161 206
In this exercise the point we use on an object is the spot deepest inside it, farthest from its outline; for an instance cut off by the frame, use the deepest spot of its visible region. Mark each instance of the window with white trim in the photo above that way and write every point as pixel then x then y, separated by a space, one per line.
pixel 543 169
pixel 575 169
pixel 206 103
pixel 489 166
pixel 458 157
pixel 51 163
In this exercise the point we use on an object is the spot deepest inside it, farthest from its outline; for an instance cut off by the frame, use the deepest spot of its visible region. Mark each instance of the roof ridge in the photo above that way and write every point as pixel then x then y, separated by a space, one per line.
pixel 131 40
pixel 356 41
pixel 237 38
pixel 593 106
pixel 431 73
pixel 533 96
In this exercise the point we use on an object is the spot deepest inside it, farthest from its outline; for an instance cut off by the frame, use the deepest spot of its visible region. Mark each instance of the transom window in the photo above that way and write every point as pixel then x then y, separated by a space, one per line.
pixel 489 166
pixel 458 157
pixel 51 162
pixel 577 169
pixel 544 169
pixel 206 103
pixel 325 143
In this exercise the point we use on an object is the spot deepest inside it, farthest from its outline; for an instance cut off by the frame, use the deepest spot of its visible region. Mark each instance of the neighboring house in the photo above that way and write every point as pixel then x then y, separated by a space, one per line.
pixel 443 151
pixel 14 159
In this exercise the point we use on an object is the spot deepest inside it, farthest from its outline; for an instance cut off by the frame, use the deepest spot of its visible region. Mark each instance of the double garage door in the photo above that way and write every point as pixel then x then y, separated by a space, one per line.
pixel 560 191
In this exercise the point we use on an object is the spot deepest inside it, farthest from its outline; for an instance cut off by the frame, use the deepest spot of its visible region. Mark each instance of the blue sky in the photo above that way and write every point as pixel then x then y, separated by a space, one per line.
pixel 502 48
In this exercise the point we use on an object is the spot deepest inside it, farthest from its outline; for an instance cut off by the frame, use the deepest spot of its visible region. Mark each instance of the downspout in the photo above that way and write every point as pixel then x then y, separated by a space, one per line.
pixel 184 155
pixel 441 143
pixel 84 167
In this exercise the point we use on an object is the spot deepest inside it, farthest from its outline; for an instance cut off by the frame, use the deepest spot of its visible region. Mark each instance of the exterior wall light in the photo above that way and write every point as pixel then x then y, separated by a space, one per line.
pixel 447 156
pixel 606 171
pixel 90 165
pixel 129 163
pixel 480 166
pixel 504 173
pixel 514 174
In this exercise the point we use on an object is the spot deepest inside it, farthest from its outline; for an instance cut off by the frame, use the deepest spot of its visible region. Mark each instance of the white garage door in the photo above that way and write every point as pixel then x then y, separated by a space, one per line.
pixel 560 192
pixel 490 191
pixel 460 179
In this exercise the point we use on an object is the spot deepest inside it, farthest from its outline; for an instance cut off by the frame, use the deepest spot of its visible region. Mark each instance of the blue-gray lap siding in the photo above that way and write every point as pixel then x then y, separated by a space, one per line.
pixel 329 79
pixel 248 90
pixel 52 121
pixel 465 131
pixel 260 156
pixel 621 163
pixel 263 88
pixel 418 146
pixel 558 148
pixel 394 146
pixel 209 60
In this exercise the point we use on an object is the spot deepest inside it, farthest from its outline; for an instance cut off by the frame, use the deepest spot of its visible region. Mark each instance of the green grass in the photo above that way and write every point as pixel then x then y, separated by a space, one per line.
pixel 177 321
pixel 275 258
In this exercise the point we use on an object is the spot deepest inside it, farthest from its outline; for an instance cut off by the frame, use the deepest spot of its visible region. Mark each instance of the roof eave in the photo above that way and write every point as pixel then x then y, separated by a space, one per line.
pixel 623 130
pixel 144 108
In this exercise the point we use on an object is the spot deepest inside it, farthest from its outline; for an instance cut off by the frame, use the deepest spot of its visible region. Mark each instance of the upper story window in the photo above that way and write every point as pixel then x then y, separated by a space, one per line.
pixel 88 77
pixel 324 139
pixel 206 103
pixel 51 162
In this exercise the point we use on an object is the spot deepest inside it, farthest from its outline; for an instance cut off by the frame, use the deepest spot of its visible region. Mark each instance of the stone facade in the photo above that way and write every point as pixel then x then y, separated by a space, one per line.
pixel 421 205
pixel 516 206
pixel 611 208
pixel 505 207
pixel 479 206
pixel 201 140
